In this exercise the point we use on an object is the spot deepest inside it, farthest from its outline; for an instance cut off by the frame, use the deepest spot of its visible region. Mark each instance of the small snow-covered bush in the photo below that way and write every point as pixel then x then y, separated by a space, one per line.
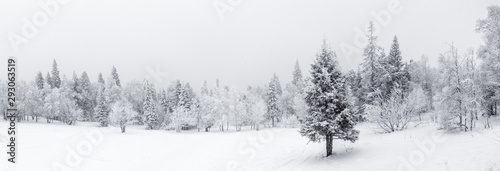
pixel 121 113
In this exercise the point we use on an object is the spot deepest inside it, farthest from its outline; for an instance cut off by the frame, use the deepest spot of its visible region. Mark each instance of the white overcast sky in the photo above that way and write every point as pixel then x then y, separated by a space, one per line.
pixel 188 41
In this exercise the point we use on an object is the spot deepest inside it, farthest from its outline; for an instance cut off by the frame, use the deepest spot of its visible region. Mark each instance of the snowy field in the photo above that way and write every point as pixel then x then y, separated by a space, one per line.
pixel 85 146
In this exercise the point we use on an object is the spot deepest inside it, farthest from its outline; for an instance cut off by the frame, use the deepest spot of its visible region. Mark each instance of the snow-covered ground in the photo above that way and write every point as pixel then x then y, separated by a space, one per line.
pixel 88 147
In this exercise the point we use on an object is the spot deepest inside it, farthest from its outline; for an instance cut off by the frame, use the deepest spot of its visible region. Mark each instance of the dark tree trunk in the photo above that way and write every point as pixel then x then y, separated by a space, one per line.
pixel 329 145
pixel 123 128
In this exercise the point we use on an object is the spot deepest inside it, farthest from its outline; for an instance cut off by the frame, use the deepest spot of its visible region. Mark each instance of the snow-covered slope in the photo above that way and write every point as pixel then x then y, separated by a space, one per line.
pixel 87 147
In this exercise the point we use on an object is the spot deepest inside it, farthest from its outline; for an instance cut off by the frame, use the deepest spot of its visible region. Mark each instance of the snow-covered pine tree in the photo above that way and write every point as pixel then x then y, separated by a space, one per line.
pixel 329 115
pixel 188 95
pixel 115 76
pixel 85 102
pixel 150 115
pixel 163 99
pixel 100 79
pixel 101 111
pixel 396 71
pixel 273 110
pixel 49 80
pixel 204 89
pixel 371 68
pixel 297 76
pixel 39 81
pixel 75 85
pixel 277 84
pixel 56 80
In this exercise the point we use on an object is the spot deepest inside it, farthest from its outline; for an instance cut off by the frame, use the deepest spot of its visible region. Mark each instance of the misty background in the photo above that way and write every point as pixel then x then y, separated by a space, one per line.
pixel 189 41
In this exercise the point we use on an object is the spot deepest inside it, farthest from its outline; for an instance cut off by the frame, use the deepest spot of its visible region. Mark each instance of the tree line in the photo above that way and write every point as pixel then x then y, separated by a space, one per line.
pixel 463 90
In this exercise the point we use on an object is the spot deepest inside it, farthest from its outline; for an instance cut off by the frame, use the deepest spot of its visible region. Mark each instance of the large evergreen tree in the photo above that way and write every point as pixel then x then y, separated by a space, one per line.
pixel 102 108
pixel 371 67
pixel 396 72
pixel 150 115
pixel 86 102
pixel 329 115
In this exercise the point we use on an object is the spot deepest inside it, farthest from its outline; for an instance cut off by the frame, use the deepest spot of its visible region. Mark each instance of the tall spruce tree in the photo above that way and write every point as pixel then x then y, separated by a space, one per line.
pixel 297 76
pixel 49 80
pixel 86 102
pixel 204 89
pixel 149 106
pixel 396 72
pixel 272 102
pixel 277 84
pixel 115 76
pixel 327 96
pixel 371 67
pixel 100 79
pixel 102 108
pixel 39 81
pixel 76 84
pixel 56 80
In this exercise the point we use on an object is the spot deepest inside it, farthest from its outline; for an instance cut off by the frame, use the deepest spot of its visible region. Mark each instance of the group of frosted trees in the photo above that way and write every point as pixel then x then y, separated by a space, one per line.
pixel 177 107
pixel 458 93
pixel 383 90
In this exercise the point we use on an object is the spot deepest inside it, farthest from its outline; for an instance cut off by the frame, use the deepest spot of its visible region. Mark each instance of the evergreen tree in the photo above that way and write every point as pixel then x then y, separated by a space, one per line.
pixel 49 80
pixel 76 84
pixel 371 67
pixel 273 110
pixel 85 102
pixel 277 84
pixel 56 80
pixel 396 72
pixel 102 109
pixel 39 81
pixel 328 98
pixel 116 78
pixel 150 115
pixel 100 79
pixel 297 76
pixel 204 89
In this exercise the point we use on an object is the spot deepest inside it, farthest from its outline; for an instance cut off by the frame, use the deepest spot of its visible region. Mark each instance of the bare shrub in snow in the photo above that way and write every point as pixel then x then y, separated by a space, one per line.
pixel 395 113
